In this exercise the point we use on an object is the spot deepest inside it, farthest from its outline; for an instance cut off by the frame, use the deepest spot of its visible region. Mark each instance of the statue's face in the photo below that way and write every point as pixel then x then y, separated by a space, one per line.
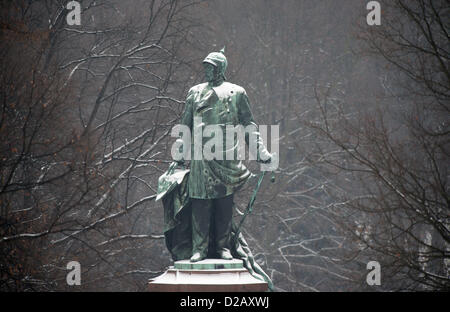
pixel 211 73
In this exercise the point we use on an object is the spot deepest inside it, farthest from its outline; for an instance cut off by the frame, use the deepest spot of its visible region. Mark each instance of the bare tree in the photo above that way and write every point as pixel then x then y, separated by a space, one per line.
pixel 397 151
pixel 86 113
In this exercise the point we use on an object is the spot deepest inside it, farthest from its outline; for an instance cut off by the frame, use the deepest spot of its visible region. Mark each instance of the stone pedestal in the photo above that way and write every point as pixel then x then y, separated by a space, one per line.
pixel 209 275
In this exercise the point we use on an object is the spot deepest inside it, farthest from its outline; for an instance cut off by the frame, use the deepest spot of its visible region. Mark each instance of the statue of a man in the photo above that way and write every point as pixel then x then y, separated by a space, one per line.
pixel 212 182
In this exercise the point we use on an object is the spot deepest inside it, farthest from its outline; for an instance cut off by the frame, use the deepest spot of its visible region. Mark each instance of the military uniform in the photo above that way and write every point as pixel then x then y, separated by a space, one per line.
pixel 212 182
pixel 223 105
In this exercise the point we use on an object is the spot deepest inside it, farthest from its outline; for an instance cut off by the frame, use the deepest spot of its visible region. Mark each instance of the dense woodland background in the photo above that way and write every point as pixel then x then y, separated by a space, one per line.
pixel 86 113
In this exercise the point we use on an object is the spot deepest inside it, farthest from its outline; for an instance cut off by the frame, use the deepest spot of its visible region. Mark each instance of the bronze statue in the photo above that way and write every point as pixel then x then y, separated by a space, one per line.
pixel 199 202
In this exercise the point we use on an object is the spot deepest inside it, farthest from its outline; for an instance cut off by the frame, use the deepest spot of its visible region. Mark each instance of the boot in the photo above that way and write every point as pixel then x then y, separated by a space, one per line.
pixel 197 257
pixel 225 254
pixel 201 218
pixel 223 212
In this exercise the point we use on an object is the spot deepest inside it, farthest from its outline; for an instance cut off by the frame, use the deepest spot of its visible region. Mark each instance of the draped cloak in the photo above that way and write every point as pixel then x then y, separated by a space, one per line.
pixel 173 189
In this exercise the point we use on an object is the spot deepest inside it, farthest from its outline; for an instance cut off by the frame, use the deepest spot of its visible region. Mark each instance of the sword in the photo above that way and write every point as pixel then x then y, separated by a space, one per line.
pixel 249 208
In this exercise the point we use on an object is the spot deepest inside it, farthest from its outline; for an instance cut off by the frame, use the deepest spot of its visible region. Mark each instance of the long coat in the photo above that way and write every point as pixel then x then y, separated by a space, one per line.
pixel 226 104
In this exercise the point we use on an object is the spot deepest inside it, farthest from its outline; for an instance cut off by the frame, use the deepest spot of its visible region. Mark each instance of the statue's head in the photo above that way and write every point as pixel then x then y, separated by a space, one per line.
pixel 219 63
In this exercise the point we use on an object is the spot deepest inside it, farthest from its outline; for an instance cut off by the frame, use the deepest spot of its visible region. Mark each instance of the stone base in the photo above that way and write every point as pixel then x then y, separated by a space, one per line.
pixel 209 275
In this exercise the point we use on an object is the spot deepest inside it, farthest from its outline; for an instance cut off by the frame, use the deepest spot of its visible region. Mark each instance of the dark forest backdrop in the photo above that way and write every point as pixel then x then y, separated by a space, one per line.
pixel 86 114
